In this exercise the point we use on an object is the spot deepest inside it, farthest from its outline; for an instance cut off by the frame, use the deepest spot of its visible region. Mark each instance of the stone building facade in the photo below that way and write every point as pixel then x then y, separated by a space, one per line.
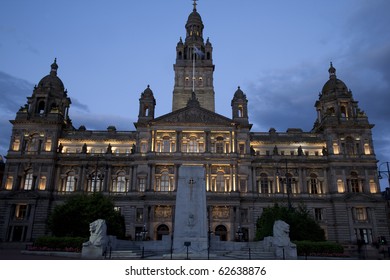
pixel 330 169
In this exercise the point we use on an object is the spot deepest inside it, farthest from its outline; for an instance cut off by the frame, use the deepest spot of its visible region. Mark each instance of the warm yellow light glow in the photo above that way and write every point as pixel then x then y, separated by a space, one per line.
pixel 9 183
pixel 373 188
pixel 42 183
pixel 340 186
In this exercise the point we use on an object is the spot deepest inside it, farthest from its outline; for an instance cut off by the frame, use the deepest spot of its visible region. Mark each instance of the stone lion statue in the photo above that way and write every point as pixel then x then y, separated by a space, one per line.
pixel 281 233
pixel 98 237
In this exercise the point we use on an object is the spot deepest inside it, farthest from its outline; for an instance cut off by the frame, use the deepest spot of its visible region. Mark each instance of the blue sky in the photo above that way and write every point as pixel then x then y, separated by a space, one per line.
pixel 277 51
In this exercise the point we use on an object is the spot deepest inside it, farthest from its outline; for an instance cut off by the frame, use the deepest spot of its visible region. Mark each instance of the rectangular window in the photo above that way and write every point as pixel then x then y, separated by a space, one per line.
pixel 243 185
pixel 48 145
pixel 318 215
pixel 28 181
pixel 367 149
pixel 373 188
pixel 141 184
pixel 21 211
pixel 144 147
pixel 354 185
pixel 42 183
pixel 241 148
pixel 16 145
pixel 140 215
pixel 9 183
pixel 340 186
pixel 361 213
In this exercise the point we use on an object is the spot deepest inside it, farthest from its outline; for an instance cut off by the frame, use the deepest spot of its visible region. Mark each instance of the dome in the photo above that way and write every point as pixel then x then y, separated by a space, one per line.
pixel 148 93
pixel 194 19
pixel 333 84
pixel 239 94
pixel 51 80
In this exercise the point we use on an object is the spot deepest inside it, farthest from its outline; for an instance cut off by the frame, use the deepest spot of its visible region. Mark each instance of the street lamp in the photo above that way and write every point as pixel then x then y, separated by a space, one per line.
pixel 239 233
pixel 144 232
pixel 288 179
pixel 386 173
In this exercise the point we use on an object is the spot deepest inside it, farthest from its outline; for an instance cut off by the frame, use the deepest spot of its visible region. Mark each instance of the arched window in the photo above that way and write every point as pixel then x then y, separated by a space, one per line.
pixel 221 231
pixel 119 183
pixel 41 107
pixel 95 182
pixel 162 230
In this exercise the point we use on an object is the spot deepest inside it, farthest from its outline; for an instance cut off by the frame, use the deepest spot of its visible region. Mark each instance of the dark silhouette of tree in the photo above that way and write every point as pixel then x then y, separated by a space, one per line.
pixel 302 225
pixel 74 216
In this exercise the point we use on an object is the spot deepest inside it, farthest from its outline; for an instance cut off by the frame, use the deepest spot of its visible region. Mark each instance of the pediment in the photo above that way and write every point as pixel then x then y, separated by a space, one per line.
pixel 193 115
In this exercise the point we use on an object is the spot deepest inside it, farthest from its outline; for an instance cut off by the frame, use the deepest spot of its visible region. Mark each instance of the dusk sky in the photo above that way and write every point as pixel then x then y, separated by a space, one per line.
pixel 277 51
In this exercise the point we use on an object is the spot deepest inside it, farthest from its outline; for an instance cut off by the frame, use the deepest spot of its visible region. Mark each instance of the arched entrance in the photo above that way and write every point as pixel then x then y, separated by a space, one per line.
pixel 221 231
pixel 162 230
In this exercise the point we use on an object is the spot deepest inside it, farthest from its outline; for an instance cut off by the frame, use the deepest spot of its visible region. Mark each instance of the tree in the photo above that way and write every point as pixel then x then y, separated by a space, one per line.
pixel 74 216
pixel 302 225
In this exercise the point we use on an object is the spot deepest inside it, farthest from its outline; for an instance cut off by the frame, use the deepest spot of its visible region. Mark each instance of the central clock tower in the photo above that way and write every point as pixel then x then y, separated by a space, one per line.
pixel 194 66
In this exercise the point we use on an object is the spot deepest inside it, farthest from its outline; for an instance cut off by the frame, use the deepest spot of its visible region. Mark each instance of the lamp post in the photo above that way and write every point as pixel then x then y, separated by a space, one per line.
pixel 144 232
pixel 288 179
pixel 239 234
pixel 386 172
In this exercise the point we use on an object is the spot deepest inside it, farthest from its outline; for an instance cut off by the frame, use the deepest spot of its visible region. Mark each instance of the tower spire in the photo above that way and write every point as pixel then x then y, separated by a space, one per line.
pixel 195 5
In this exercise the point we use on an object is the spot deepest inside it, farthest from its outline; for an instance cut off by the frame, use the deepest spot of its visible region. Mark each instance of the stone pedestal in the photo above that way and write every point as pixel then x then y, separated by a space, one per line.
pixel 92 252
pixel 191 212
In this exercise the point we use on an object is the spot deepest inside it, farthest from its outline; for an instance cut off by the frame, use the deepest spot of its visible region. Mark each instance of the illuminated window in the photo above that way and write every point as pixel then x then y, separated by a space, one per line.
pixel 33 144
pixel 119 183
pixel 16 145
pixel 265 184
pixel 70 183
pixel 373 188
pixel 340 186
pixel 314 185
pixel 166 145
pixel 42 183
pixel 193 145
pixel 164 183
pixel 336 150
pixel 95 182
pixel 9 183
pixel 28 181
pixel 353 183
pixel 141 184
pixel 220 182
pixel 21 211
pixel 360 213
pixel 367 149
pixel 48 145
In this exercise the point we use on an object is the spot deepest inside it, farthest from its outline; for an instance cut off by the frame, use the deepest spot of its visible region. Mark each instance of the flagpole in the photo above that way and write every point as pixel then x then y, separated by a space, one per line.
pixel 193 70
